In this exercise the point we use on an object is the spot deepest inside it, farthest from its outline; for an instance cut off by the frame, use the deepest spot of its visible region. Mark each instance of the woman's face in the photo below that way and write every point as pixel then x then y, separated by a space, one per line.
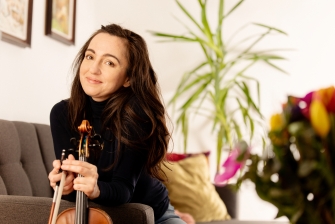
pixel 103 70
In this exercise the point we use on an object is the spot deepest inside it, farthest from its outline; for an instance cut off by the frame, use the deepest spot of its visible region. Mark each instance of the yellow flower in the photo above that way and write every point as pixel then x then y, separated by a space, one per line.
pixel 319 118
pixel 276 122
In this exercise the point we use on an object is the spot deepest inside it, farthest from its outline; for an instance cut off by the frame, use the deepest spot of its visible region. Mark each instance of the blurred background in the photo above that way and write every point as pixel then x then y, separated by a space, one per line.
pixel 33 79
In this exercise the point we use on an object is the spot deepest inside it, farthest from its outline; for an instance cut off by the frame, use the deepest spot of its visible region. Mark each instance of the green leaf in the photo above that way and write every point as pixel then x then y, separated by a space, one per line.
pixel 252 126
pixel 187 80
pixel 257 87
pixel 174 37
pixel 252 56
pixel 234 8
pixel 195 95
pixel 184 123
pixel 207 30
pixel 237 129
pixel 222 96
pixel 243 110
pixel 205 79
pixel 276 67
pixel 189 15
pixel 271 28
pixel 219 27
pixel 244 87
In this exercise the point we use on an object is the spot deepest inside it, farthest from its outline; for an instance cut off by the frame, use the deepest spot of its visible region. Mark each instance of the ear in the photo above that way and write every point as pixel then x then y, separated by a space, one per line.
pixel 126 82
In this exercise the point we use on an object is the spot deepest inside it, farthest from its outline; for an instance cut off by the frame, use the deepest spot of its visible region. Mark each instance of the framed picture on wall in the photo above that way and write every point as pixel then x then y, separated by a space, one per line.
pixel 15 21
pixel 61 20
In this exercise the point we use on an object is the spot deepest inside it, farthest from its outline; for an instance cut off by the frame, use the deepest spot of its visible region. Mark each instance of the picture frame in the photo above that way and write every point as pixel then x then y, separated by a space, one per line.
pixel 16 21
pixel 61 20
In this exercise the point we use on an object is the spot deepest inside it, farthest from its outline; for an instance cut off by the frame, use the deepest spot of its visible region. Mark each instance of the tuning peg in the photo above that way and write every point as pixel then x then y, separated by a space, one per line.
pixel 74 142
pixel 98 146
pixel 96 137
pixel 71 151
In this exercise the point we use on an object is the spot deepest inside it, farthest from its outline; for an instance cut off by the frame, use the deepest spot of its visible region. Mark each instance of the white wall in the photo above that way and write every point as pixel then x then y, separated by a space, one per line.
pixel 33 79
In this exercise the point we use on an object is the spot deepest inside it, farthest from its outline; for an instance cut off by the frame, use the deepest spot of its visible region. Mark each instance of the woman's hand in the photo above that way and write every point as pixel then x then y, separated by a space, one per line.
pixel 55 176
pixel 88 182
pixel 185 217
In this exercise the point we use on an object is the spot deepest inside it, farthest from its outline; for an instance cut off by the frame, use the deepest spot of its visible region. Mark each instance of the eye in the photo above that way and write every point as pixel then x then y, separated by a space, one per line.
pixel 110 63
pixel 88 57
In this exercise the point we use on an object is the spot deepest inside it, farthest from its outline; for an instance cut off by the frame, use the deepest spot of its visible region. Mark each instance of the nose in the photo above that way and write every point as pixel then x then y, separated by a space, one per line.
pixel 95 68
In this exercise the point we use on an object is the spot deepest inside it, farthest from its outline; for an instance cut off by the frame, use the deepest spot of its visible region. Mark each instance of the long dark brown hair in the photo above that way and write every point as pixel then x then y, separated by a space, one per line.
pixel 119 116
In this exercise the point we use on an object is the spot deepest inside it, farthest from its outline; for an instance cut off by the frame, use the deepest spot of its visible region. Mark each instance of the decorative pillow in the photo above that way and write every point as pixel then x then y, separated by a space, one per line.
pixel 191 191
pixel 175 157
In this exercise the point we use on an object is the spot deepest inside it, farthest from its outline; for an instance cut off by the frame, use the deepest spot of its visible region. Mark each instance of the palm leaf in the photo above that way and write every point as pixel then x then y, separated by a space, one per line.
pixel 234 8
pixel 185 79
pixel 203 78
pixel 276 67
pixel 252 126
pixel 271 28
pixel 257 87
pixel 219 27
pixel 243 111
pixel 237 129
pixel 250 101
pixel 253 56
pixel 207 29
pixel 194 96
pixel 184 124
pixel 173 37
pixel 189 15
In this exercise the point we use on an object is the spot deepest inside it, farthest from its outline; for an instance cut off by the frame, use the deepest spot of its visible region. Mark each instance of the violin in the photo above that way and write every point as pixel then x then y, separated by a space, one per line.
pixel 82 214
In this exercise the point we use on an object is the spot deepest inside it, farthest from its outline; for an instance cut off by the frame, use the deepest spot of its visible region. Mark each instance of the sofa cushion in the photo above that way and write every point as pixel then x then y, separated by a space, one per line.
pixel 45 142
pixel 22 169
pixel 191 191
pixel 31 159
pixel 15 179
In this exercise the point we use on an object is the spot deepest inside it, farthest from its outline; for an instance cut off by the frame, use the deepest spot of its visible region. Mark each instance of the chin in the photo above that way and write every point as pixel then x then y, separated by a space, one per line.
pixel 90 93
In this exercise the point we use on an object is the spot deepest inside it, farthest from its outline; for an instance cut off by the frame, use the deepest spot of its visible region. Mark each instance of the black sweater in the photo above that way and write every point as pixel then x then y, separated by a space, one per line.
pixel 127 181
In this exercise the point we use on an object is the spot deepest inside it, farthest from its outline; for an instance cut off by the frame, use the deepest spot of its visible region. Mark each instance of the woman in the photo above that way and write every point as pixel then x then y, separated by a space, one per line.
pixel 115 88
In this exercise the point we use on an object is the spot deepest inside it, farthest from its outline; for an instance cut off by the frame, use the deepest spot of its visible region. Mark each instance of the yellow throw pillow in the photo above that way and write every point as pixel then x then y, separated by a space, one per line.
pixel 191 191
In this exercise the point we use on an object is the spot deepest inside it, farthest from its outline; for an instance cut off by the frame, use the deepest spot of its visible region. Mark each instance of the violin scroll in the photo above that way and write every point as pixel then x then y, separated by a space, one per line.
pixel 85 129
pixel 88 140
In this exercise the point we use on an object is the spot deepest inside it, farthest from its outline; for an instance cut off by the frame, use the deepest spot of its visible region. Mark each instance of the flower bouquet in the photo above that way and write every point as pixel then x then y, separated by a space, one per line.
pixel 297 174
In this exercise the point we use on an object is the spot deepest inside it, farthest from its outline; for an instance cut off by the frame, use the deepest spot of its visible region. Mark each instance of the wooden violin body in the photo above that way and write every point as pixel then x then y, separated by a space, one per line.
pixel 95 216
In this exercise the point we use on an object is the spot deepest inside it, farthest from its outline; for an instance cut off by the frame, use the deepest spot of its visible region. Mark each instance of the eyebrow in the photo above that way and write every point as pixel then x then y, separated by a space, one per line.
pixel 105 55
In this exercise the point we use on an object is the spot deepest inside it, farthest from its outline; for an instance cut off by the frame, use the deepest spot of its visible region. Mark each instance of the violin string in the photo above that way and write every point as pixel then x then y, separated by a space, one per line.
pixel 81 203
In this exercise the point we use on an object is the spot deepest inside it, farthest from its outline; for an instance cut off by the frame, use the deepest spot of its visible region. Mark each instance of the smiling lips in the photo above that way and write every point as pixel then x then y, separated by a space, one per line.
pixel 93 81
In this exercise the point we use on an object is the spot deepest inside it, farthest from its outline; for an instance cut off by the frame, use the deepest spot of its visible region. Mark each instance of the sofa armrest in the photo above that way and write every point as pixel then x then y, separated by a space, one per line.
pixel 132 213
pixel 27 209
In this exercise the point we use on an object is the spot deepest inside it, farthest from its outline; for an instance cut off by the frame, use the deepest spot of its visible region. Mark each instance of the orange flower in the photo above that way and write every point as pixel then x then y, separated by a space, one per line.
pixel 325 95
pixel 319 118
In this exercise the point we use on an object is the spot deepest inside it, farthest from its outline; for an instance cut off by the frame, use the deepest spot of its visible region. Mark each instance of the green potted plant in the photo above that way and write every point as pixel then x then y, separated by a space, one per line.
pixel 221 78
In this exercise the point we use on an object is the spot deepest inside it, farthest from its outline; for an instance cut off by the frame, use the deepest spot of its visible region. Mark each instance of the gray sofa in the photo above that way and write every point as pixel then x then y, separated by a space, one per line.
pixel 26 155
